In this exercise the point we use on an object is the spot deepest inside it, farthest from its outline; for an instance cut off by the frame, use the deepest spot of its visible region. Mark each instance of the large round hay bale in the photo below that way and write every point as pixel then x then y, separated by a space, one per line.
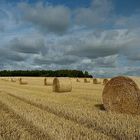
pixel 48 81
pixel 62 85
pixel 86 80
pixel 122 95
pixel 105 81
pixel 96 81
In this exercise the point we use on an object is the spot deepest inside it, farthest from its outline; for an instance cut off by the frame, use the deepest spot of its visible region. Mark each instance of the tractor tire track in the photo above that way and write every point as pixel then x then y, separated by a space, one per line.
pixel 14 127
pixel 40 119
pixel 60 114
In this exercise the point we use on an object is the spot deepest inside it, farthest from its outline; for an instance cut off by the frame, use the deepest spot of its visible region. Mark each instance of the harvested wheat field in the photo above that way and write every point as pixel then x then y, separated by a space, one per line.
pixel 34 112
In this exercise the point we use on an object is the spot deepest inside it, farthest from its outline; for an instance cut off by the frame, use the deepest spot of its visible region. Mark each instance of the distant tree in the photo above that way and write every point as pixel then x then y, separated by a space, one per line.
pixel 47 73
pixel 86 74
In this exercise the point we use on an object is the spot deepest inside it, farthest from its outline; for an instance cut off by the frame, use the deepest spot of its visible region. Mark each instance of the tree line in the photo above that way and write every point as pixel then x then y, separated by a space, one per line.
pixel 46 73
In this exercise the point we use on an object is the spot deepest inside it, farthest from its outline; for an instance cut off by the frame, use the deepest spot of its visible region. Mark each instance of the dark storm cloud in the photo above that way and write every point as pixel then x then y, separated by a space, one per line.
pixel 9 55
pixel 58 60
pixel 92 46
pixel 4 18
pixel 48 18
pixel 95 15
pixel 94 51
pixel 27 45
pixel 113 42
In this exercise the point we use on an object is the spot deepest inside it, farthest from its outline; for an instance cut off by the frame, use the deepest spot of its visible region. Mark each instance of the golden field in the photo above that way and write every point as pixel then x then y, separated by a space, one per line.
pixel 35 112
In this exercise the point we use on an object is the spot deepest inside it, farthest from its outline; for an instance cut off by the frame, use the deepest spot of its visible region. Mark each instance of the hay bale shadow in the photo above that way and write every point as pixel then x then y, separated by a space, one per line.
pixel 100 106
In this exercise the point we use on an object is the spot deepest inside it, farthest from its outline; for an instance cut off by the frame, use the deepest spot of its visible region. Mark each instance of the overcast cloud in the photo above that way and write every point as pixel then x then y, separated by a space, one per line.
pixel 43 35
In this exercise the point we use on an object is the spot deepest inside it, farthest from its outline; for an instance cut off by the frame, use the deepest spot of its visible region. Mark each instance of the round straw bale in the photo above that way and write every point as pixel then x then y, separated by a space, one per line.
pixel 13 80
pixel 62 85
pixel 77 80
pixel 105 81
pixel 121 95
pixel 48 81
pixel 21 82
pixel 86 80
pixel 20 79
pixel 96 81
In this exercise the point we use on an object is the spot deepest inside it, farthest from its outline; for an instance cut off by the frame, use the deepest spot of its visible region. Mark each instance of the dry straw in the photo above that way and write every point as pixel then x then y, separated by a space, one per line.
pixel 86 80
pixel 48 81
pixel 62 85
pixel 105 81
pixel 21 82
pixel 122 95
pixel 5 79
pixel 96 81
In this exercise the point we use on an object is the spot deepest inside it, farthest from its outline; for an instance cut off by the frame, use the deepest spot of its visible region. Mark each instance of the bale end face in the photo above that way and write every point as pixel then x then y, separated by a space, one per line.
pixel 121 95
pixel 62 85
pixel 48 81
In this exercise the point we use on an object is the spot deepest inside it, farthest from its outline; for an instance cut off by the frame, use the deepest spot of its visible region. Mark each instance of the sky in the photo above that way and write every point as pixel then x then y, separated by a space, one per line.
pixel 99 36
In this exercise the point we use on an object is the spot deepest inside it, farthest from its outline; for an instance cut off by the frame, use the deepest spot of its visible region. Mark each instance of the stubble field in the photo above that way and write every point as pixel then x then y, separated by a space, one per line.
pixel 35 112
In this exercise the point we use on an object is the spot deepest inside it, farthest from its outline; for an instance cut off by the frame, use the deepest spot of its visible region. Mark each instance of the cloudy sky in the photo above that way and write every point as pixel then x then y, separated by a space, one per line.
pixel 100 36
